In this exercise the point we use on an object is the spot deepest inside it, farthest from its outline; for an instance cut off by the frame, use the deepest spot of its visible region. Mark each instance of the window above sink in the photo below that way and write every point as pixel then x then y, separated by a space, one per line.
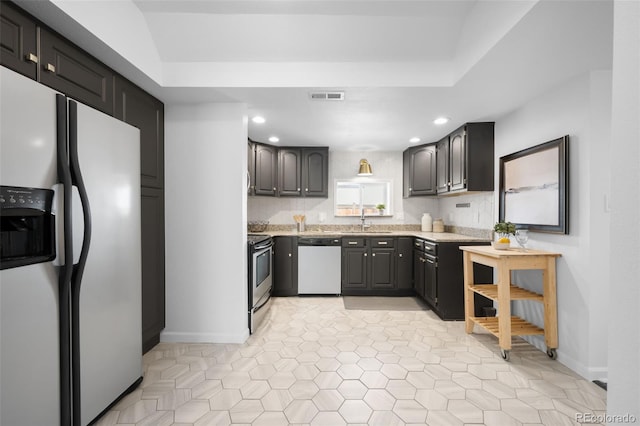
pixel 353 196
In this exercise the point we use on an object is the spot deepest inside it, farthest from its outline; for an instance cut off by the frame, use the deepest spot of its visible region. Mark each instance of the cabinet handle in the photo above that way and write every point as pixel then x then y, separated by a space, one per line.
pixel 410 189
pixel 431 261
pixel 422 260
pixel 248 180
pixel 31 58
pixel 353 243
pixel 400 255
pixel 417 244
pixel 306 189
pixel 289 254
pixel 50 68
pixel 365 255
pixel 448 183
pixel 374 255
pixel 298 189
pixel 274 188
pixel 382 243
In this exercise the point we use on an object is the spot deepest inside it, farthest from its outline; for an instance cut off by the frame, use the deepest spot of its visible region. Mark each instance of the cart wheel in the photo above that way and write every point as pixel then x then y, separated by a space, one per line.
pixel 505 354
pixel 551 353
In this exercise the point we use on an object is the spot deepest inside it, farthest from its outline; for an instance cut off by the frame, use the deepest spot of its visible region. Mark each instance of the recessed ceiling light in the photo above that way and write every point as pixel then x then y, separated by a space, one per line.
pixel 258 119
pixel 274 139
pixel 414 140
pixel 441 120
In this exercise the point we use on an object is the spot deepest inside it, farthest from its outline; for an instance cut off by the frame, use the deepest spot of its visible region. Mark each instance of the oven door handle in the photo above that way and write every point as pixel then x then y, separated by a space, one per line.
pixel 262 302
pixel 266 246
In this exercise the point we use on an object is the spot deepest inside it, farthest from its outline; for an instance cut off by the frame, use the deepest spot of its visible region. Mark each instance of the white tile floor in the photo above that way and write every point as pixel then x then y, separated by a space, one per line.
pixel 313 362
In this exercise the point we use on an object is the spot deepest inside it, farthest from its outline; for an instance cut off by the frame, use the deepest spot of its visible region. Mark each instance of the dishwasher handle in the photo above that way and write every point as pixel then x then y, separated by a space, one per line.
pixel 318 242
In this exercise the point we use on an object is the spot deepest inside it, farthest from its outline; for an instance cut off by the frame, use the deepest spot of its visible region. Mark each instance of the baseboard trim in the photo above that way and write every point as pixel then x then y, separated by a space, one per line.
pixel 189 337
pixel 589 373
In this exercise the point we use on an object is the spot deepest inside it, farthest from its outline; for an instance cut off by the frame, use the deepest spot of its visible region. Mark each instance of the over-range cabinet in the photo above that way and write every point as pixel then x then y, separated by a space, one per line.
pixel 70 263
pixel 31 48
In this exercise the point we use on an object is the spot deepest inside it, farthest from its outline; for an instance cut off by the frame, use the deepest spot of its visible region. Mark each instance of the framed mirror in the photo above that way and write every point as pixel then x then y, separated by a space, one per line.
pixel 353 196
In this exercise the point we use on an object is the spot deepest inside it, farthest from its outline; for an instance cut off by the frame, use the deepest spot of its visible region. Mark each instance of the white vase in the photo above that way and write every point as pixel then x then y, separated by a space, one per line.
pixel 427 223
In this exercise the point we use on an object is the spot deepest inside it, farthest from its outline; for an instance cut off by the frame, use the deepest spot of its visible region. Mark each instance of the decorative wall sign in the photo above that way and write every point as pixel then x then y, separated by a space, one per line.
pixel 534 190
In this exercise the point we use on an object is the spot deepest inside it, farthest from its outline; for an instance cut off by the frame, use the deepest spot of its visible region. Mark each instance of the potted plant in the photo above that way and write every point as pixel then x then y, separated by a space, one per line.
pixel 380 208
pixel 504 229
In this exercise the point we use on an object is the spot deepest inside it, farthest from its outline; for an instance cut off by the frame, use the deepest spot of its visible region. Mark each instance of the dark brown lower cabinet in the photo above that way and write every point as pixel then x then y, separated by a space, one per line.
pixel 438 278
pixel 404 263
pixel 285 266
pixel 375 266
pixel 153 277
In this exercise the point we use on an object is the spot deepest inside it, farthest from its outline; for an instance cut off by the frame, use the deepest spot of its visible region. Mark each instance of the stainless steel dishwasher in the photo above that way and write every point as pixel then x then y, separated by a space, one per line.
pixel 319 265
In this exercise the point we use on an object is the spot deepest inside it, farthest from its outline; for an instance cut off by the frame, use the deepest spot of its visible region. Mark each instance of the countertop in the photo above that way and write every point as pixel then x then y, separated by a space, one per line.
pixel 431 236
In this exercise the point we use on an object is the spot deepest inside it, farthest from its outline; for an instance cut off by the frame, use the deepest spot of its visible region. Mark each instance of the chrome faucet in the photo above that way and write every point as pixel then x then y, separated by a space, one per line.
pixel 363 225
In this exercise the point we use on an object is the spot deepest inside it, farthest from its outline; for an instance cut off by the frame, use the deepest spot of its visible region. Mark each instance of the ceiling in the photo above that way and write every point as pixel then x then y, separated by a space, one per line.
pixel 400 63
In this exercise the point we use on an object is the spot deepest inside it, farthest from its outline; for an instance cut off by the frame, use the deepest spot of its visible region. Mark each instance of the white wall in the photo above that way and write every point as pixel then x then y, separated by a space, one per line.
pixel 578 108
pixel 205 186
pixel 624 335
pixel 344 165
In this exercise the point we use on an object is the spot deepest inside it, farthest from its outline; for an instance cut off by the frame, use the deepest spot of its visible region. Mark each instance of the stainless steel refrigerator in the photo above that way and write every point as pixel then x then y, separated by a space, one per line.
pixel 70 277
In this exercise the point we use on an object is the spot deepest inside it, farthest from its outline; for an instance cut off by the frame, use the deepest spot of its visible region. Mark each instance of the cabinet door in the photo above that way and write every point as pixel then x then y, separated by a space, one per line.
pixel 422 171
pixel 138 108
pixel 418 272
pixel 66 68
pixel 315 172
pixel 266 168
pixel 289 173
pixel 251 167
pixel 18 45
pixel 383 275
pixel 153 279
pixel 285 266
pixel 431 280
pixel 457 160
pixel 442 165
pixel 354 268
pixel 404 262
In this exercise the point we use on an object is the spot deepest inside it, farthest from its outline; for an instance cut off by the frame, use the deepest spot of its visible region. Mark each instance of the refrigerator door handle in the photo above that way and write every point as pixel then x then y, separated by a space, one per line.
pixel 78 268
pixel 66 267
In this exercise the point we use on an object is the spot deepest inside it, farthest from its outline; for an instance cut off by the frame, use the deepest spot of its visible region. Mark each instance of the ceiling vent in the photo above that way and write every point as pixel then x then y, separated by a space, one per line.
pixel 327 96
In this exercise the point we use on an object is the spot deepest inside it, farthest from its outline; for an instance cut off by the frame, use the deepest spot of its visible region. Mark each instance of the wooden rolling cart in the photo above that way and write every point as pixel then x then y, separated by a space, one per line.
pixel 505 325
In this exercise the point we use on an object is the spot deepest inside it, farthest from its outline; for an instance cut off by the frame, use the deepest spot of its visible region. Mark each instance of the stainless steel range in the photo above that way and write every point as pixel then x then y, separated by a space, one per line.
pixel 260 251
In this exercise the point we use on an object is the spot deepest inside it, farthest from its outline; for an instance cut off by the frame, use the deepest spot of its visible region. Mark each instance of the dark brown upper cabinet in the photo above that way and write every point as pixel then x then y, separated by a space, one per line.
pixel 18 41
pixel 138 108
pixel 289 172
pixel 266 179
pixel 465 159
pixel 419 167
pixel 66 68
pixel 38 53
pixel 251 167
pixel 315 172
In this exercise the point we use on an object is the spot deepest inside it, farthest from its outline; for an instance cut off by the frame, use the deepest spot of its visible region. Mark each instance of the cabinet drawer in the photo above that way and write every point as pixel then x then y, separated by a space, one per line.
pixel 352 242
pixel 418 244
pixel 430 248
pixel 381 242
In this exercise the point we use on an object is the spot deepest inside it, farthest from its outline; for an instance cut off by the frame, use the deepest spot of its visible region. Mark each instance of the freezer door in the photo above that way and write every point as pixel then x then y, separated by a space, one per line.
pixel 29 347
pixel 110 292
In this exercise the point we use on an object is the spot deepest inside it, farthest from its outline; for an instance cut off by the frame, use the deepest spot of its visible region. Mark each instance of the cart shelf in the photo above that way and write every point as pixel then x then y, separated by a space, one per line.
pixel 490 291
pixel 519 326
